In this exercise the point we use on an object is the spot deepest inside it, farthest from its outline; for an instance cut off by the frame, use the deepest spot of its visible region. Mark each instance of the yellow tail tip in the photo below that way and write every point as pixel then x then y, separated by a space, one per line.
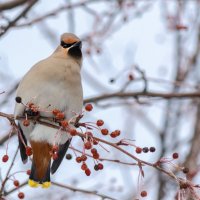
pixel 46 184
pixel 33 183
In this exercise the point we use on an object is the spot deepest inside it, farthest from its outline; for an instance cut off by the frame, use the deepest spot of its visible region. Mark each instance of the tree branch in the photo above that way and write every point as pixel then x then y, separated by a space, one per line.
pixel 123 95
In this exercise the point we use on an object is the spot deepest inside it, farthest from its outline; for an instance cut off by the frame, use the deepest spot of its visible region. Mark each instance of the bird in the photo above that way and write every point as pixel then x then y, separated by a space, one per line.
pixel 52 83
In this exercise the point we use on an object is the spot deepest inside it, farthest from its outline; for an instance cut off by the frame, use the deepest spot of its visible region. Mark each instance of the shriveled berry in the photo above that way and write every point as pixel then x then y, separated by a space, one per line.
pixel 138 150
pixel 185 170
pixel 64 123
pixel 78 159
pixel 18 99
pixel 88 145
pixel 16 183
pixel 95 142
pixel 130 77
pixel 143 193
pixel 145 149
pixel 96 168
pixel 20 195
pixel 104 131
pixel 26 122
pixel 73 132
pixel 28 172
pixel 87 172
pixel 93 151
pixel 68 156
pixel 29 151
pixel 100 122
pixel 88 107
pixel 100 166
pixel 95 156
pixel 5 158
pixel 152 149
pixel 84 167
pixel 175 155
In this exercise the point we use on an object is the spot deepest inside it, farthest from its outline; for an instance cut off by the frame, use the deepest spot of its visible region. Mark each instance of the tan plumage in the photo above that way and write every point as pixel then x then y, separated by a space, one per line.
pixel 54 82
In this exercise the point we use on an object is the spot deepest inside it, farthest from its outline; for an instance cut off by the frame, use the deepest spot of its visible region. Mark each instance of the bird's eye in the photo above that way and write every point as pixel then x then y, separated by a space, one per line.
pixel 65 45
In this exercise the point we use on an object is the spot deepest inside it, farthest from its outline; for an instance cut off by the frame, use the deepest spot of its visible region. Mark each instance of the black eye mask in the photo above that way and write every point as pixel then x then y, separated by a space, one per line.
pixel 65 45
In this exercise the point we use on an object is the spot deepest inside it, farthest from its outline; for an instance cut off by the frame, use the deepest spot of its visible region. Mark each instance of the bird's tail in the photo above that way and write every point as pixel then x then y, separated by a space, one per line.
pixel 40 170
pixel 35 181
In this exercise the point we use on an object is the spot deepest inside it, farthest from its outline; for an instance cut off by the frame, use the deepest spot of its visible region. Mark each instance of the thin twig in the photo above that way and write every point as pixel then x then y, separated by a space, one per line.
pixel 8 172
pixel 82 190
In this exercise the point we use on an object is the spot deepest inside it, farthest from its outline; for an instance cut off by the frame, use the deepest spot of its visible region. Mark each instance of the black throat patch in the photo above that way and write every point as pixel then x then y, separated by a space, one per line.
pixel 75 52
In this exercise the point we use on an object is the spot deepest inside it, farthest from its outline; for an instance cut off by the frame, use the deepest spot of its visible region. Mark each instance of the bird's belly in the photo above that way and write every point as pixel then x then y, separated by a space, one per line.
pixel 43 133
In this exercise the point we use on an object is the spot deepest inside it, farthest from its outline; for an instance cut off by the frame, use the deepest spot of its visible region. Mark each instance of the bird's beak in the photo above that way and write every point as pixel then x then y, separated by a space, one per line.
pixel 77 44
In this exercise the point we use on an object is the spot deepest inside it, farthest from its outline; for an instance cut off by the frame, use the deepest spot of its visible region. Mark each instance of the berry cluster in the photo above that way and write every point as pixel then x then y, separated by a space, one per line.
pixel 139 150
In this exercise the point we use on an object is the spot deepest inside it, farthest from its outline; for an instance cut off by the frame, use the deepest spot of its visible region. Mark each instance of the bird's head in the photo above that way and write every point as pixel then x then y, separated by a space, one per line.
pixel 70 45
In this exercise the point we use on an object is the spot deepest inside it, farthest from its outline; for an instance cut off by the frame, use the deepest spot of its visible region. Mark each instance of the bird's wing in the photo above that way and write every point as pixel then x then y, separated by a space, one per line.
pixel 61 153
pixel 22 142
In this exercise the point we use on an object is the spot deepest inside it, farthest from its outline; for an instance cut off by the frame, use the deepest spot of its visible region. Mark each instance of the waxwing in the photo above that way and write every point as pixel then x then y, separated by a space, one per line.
pixel 52 83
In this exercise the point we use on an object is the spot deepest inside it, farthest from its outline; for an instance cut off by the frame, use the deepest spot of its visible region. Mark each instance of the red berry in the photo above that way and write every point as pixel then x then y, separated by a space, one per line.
pixel 26 122
pixel 104 131
pixel 83 157
pixel 117 132
pixel 87 172
pixel 20 195
pixel 55 156
pixel 93 151
pixel 113 135
pixel 175 155
pixel 84 167
pixel 100 166
pixel 95 156
pixel 55 112
pixel 28 172
pixel 88 107
pixel 73 132
pixel 100 122
pixel 143 194
pixel 138 150
pixel 28 151
pixel 88 145
pixel 16 183
pixel 60 115
pixel 64 123
pixel 78 159
pixel 5 158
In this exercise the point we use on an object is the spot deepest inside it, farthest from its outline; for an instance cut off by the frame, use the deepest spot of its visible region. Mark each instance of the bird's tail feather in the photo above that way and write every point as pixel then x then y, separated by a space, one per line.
pixel 34 181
